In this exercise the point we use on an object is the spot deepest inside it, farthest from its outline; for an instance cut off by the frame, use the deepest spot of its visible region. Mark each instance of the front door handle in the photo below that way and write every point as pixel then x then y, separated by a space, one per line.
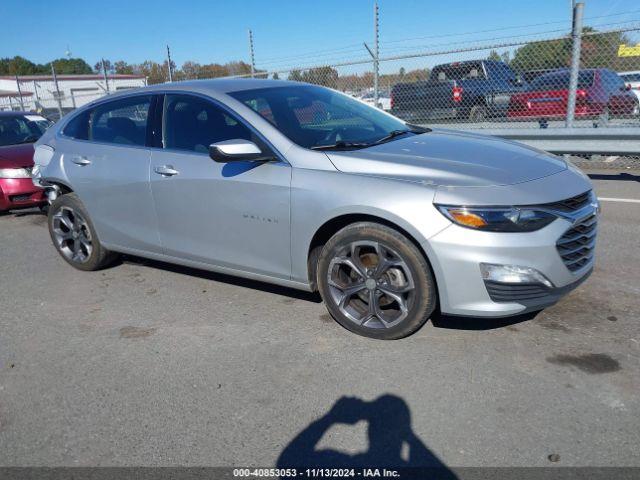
pixel 82 161
pixel 166 170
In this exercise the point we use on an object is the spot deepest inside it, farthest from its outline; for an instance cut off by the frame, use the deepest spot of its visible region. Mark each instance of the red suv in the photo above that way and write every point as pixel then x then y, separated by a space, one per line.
pixel 600 92
pixel 18 132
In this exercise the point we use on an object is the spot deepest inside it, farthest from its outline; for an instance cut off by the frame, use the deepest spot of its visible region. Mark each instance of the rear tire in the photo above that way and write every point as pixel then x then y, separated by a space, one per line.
pixel 74 235
pixel 375 282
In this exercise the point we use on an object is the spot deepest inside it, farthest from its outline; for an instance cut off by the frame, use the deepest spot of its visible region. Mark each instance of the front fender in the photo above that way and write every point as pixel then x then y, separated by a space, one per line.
pixel 317 197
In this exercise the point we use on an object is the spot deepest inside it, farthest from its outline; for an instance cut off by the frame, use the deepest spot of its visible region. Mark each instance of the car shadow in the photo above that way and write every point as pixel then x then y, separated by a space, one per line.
pixel 454 322
pixel 626 177
pixel 392 441
pixel 221 277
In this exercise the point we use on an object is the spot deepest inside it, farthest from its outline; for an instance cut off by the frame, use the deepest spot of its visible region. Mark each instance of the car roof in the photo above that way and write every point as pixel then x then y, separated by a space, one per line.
pixel 221 85
pixel 212 87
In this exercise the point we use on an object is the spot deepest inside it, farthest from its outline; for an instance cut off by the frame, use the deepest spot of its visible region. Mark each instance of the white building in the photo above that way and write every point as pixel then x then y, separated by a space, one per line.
pixel 38 93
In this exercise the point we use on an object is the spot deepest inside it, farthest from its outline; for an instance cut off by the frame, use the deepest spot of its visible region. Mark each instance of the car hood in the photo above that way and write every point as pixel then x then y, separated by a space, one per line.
pixel 450 158
pixel 16 156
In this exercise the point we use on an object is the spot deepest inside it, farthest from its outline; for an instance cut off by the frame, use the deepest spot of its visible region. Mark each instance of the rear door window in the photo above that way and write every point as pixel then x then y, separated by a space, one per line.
pixel 458 71
pixel 122 122
pixel 560 80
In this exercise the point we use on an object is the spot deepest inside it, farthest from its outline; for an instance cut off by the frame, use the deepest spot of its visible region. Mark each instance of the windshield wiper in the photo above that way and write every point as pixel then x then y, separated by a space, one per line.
pixel 341 145
pixel 392 134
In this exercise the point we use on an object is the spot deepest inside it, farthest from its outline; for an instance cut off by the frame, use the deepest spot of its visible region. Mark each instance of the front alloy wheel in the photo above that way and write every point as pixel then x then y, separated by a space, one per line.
pixel 375 281
pixel 371 284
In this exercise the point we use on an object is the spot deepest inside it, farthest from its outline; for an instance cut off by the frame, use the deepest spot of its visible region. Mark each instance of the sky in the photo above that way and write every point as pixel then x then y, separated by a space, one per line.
pixel 286 32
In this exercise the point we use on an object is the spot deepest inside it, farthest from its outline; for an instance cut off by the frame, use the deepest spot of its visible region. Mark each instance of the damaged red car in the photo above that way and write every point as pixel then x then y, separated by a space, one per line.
pixel 18 132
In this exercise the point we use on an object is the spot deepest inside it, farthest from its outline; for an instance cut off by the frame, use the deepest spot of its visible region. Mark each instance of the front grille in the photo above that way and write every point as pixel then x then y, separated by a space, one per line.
pixel 577 245
pixel 570 204
pixel 20 198
pixel 514 292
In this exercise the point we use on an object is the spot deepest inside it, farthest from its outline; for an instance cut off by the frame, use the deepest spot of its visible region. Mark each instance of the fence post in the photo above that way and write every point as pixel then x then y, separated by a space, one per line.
pixel 251 53
pixel 55 82
pixel 35 92
pixel 376 66
pixel 576 38
pixel 106 79
pixel 169 64
pixel 20 93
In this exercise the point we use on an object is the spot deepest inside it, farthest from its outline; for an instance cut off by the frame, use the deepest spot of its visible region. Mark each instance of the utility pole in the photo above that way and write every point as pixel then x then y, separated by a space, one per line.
pixel 104 73
pixel 374 55
pixel 251 54
pixel 55 82
pixel 376 49
pixel 169 64
pixel 576 37
pixel 20 93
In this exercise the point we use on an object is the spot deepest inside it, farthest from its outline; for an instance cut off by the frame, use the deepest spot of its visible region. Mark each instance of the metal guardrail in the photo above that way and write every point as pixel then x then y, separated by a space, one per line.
pixel 623 141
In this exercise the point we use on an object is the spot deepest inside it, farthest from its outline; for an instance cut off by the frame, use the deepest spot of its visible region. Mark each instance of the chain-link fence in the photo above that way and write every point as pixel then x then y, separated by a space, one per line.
pixel 588 77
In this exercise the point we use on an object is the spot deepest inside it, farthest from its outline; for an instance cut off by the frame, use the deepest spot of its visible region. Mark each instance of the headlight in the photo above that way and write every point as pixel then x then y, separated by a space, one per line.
pixel 15 173
pixel 500 219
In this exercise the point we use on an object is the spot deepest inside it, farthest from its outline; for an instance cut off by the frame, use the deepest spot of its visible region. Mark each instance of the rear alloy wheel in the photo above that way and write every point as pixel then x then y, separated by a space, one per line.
pixel 73 235
pixel 375 282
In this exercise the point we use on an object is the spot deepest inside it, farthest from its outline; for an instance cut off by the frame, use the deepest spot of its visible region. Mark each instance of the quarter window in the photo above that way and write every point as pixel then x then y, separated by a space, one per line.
pixel 192 123
pixel 122 121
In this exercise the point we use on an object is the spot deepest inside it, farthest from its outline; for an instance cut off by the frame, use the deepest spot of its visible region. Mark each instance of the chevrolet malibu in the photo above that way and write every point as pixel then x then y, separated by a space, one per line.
pixel 302 186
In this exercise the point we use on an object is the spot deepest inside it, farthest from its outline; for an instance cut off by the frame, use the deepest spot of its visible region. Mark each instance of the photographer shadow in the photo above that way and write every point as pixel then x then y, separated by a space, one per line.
pixel 392 442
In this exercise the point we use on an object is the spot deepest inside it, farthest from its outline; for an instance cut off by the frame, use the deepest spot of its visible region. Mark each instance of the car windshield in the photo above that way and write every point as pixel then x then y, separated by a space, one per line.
pixel 21 129
pixel 317 117
pixel 560 80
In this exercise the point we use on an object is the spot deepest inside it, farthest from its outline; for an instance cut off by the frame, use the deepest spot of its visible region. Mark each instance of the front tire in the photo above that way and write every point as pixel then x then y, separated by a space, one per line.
pixel 375 282
pixel 74 235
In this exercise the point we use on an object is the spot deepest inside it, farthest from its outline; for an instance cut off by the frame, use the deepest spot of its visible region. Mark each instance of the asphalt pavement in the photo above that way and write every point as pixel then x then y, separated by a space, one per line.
pixel 152 364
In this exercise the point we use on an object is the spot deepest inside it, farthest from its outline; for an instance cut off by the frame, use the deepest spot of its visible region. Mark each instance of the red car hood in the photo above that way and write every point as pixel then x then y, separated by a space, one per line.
pixel 16 156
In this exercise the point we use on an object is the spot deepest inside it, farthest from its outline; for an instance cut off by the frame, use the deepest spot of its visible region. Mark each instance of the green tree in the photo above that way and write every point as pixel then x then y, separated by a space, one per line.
pixel 69 66
pixel 599 50
pixel 326 76
pixel 191 70
pixel 495 56
pixel 276 76
pixel 19 66
pixel 295 76
pixel 123 68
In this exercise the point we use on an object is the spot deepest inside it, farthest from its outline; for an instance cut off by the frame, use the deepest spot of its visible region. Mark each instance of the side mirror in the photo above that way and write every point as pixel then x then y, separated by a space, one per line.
pixel 236 150
pixel 627 87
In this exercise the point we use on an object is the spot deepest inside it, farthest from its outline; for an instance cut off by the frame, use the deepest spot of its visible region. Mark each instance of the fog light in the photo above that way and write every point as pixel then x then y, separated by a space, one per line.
pixel 513 274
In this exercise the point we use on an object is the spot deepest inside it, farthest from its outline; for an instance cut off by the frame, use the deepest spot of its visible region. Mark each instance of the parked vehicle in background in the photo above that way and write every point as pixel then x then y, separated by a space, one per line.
pixel 632 79
pixel 601 93
pixel 384 100
pixel 18 132
pixel 303 186
pixel 530 75
pixel 470 90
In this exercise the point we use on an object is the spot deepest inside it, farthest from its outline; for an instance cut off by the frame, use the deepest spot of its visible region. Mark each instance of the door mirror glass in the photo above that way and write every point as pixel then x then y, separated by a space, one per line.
pixel 236 150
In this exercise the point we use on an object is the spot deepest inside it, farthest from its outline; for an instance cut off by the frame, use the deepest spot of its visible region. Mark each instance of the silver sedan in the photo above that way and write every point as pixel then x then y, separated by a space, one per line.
pixel 303 186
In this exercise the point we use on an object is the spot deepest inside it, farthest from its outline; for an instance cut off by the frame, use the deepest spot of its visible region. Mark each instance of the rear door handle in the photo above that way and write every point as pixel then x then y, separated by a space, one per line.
pixel 166 170
pixel 82 161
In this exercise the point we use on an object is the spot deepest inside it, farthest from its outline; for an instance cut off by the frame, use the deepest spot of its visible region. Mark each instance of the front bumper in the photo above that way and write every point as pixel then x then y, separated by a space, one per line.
pixel 456 254
pixel 19 193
